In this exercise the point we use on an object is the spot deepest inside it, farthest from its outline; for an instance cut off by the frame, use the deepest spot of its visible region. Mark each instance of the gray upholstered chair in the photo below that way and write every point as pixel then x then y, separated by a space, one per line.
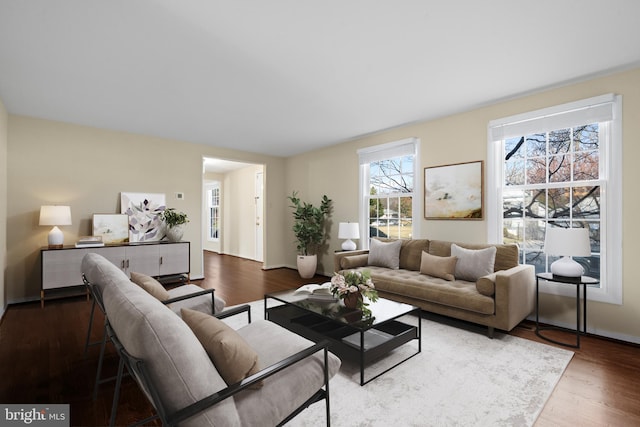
pixel 179 378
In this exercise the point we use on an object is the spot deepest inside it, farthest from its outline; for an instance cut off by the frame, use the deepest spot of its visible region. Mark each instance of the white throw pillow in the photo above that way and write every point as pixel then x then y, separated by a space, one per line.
pixel 385 254
pixel 473 264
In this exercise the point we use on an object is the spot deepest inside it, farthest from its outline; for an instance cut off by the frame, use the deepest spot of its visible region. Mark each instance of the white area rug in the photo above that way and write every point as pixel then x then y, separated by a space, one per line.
pixel 461 378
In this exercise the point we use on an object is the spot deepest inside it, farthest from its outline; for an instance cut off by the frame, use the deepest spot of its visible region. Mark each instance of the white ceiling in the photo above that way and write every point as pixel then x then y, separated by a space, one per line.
pixel 286 76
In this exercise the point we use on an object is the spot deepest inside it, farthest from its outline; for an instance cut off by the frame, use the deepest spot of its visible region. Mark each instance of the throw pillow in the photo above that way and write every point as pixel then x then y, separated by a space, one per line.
pixel 232 356
pixel 385 254
pixel 150 285
pixel 486 285
pixel 473 264
pixel 438 266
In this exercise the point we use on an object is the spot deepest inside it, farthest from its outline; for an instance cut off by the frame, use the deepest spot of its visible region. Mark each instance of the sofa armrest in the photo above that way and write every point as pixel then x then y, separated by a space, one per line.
pixel 515 293
pixel 339 256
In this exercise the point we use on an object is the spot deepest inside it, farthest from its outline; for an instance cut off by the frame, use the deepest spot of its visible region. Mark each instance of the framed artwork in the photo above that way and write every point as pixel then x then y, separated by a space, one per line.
pixel 113 228
pixel 143 210
pixel 454 191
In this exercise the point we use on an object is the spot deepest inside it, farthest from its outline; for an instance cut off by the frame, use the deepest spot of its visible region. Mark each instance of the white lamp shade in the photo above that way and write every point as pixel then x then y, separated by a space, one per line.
pixel 566 242
pixel 55 215
pixel 348 230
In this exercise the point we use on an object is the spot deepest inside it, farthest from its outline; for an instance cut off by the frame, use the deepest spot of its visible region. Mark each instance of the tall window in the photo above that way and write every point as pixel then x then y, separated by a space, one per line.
pixel 559 168
pixel 387 177
pixel 213 220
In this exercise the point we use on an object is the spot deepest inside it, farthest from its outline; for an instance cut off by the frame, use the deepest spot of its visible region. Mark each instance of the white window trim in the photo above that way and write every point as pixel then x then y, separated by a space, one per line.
pixel 210 187
pixel 407 146
pixel 610 290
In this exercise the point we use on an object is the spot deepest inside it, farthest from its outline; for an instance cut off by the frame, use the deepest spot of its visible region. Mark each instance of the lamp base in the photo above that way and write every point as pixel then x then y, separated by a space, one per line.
pixel 349 245
pixel 566 267
pixel 56 238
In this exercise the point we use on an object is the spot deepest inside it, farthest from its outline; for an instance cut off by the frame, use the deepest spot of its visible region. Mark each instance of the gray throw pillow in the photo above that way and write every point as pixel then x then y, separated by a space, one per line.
pixel 385 254
pixel 473 264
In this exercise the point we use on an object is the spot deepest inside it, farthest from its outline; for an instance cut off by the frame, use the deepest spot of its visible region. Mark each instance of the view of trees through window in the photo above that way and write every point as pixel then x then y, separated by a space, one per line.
pixel 391 183
pixel 552 179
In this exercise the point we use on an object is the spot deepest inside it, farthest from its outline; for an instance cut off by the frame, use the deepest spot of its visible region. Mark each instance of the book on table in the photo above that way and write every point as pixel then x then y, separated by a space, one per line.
pixel 89 242
pixel 316 291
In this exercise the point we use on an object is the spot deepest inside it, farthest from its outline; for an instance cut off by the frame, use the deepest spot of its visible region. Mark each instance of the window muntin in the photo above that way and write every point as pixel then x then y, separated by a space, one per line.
pixel 213 214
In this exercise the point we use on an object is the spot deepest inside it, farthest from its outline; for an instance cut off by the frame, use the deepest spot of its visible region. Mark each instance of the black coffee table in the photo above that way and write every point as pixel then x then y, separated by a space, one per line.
pixel 351 336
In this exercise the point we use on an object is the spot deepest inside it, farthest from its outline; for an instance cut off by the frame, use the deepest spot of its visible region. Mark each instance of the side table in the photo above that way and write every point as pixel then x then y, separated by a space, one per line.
pixel 577 282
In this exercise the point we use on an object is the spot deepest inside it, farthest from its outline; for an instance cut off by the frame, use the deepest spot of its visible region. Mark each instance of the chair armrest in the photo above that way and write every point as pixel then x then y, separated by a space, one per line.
pixel 338 256
pixel 193 295
pixel 233 389
pixel 235 310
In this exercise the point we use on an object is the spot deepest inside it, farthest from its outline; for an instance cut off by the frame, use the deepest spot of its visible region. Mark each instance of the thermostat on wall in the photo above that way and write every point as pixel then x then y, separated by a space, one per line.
pixel 180 196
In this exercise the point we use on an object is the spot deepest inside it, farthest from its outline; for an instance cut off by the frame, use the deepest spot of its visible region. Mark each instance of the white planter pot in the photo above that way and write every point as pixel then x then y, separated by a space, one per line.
pixel 307 265
pixel 174 234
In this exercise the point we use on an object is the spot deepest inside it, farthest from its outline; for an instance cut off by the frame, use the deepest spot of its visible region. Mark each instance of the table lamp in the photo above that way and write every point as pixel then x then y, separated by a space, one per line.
pixel 55 215
pixel 567 242
pixel 348 230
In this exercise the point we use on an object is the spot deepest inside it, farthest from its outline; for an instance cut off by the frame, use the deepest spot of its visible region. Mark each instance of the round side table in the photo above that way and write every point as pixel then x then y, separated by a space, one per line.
pixel 583 281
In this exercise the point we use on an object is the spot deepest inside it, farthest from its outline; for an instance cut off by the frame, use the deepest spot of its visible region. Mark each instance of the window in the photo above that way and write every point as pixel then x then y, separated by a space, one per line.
pixel 213 212
pixel 560 167
pixel 387 190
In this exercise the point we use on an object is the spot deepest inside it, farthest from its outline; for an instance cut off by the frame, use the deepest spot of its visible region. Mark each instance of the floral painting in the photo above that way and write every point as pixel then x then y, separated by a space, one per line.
pixel 144 211
pixel 453 191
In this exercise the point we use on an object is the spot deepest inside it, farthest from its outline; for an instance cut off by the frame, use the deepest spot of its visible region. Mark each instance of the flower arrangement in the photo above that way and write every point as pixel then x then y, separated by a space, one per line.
pixel 344 286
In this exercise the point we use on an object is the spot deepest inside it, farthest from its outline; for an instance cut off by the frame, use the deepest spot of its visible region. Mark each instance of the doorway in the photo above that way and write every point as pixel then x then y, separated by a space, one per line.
pixel 240 220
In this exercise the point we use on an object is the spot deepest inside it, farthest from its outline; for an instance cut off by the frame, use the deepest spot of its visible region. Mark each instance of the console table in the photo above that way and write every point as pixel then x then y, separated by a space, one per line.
pixel 577 282
pixel 61 268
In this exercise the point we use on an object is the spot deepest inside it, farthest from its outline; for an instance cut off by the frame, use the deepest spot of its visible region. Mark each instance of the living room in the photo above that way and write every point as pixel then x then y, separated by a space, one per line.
pixel 47 161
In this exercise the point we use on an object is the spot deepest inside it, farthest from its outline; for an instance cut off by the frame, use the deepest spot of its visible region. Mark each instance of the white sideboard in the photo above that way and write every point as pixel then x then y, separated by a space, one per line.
pixel 61 268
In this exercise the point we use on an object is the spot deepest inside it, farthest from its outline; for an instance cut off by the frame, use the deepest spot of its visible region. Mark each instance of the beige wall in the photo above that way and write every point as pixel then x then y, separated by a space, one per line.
pixel 4 120
pixel 463 137
pixel 87 168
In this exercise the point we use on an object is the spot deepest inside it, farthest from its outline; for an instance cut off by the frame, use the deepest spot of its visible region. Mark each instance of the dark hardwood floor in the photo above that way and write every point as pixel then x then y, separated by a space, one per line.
pixel 42 358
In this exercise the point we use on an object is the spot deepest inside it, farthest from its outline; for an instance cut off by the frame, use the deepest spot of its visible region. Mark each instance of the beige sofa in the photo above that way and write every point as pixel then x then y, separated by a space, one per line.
pixel 499 300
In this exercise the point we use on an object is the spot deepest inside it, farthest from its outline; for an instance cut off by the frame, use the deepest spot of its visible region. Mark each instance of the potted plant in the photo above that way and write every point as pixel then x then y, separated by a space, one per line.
pixel 309 228
pixel 174 222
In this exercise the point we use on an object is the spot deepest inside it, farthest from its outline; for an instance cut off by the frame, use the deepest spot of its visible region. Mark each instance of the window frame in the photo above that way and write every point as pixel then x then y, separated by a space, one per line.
pixel 610 290
pixel 408 146
pixel 210 188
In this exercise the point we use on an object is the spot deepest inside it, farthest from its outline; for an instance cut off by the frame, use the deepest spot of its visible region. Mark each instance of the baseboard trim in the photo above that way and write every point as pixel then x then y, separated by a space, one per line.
pixel 590 330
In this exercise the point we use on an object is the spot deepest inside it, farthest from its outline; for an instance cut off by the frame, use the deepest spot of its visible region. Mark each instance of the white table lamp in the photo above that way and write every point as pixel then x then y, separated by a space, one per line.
pixel 348 230
pixel 55 215
pixel 567 242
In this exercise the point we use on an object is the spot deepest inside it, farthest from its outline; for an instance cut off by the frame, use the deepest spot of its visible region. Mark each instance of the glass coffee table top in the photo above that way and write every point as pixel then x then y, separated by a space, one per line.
pixel 382 310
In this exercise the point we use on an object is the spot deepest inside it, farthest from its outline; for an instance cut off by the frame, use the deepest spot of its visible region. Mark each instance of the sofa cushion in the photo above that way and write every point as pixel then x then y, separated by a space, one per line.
pixel 150 285
pixel 473 264
pixel 385 254
pixel 486 285
pixel 438 266
pixel 506 254
pixel 406 283
pixel 287 390
pixel 230 353
pixel 175 360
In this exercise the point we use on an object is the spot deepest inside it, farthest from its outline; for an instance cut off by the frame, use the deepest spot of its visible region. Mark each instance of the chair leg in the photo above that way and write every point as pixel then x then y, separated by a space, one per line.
pixel 116 394
pixel 103 344
pixel 86 344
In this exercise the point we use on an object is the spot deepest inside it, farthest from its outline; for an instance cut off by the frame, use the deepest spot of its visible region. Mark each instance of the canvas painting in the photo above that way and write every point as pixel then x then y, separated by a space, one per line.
pixel 454 191
pixel 144 211
pixel 113 228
